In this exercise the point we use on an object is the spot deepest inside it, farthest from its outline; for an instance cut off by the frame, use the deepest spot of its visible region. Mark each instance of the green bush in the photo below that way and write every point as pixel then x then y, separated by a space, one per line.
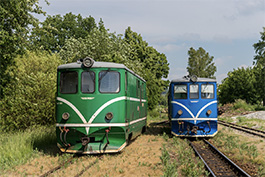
pixel 30 98
pixel 243 83
pixel 243 105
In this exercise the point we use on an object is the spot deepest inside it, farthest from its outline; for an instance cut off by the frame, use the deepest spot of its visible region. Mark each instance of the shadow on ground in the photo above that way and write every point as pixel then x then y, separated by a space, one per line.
pixel 158 128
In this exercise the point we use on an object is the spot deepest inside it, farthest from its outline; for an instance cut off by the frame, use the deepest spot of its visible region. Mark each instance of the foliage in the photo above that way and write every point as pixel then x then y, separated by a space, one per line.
pixel 17 148
pixel 52 34
pixel 154 66
pixel 240 84
pixel 259 61
pixel 131 51
pixel 243 106
pixel 242 149
pixel 99 44
pixel 260 49
pixel 201 63
pixel 30 98
pixel 15 18
pixel 181 162
pixel 246 84
pixel 259 72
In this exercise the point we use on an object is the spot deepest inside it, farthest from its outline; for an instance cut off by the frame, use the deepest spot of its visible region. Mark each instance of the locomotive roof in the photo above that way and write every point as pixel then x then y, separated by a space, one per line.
pixel 98 65
pixel 199 79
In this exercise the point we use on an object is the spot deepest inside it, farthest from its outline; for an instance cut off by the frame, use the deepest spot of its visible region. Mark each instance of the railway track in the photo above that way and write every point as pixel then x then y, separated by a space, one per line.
pixel 69 161
pixel 243 128
pixel 215 161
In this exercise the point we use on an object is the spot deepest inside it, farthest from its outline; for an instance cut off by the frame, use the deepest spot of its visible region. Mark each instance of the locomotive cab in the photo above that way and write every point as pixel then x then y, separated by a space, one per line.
pixel 98 108
pixel 193 107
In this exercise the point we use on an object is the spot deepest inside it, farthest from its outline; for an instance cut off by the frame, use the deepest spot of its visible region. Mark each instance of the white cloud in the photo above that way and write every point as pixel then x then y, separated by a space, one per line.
pixel 177 73
pixel 220 77
pixel 223 60
pixel 171 47
pixel 173 26
pixel 249 7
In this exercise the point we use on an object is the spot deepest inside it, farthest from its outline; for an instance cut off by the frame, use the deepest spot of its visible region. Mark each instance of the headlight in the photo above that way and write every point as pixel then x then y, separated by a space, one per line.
pixel 88 62
pixel 180 112
pixel 209 112
pixel 109 116
pixel 65 115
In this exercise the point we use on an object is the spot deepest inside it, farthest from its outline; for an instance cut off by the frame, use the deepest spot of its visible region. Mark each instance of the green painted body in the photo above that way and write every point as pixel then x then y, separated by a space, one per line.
pixel 88 110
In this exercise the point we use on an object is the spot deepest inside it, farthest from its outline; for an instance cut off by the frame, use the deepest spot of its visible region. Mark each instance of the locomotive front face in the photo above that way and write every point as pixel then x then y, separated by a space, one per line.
pixel 91 108
pixel 193 108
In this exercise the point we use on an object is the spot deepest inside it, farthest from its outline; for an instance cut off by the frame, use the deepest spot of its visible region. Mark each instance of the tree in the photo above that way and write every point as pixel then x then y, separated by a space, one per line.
pixel 30 97
pixel 16 16
pixel 154 66
pixel 200 63
pixel 240 84
pixel 52 34
pixel 259 61
pixel 259 73
pixel 260 50
pixel 132 51
pixel 99 44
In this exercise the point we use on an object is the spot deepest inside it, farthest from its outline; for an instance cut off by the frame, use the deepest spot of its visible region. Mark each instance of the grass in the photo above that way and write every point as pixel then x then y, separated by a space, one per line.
pixel 245 150
pixel 247 122
pixel 19 147
pixel 179 159
pixel 242 105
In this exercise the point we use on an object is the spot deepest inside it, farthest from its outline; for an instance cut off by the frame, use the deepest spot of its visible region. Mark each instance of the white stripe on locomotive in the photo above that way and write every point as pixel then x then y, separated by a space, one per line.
pixel 197 115
pixel 99 110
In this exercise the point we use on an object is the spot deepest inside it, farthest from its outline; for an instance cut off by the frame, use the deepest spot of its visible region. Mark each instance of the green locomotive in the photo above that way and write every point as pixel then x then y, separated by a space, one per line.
pixel 100 107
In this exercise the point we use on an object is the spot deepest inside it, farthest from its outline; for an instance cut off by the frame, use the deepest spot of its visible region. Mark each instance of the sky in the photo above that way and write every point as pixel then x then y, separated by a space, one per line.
pixel 226 29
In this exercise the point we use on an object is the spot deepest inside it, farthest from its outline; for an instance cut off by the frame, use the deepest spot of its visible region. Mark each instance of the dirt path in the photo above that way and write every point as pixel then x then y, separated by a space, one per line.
pixel 140 158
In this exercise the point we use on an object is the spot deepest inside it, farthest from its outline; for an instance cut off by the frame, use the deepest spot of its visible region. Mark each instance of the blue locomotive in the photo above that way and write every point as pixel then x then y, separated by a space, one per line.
pixel 192 105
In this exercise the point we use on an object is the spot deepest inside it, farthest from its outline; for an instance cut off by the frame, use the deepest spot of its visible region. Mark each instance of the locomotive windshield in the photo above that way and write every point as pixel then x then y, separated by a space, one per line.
pixel 68 82
pixel 109 82
pixel 207 91
pixel 88 82
pixel 180 92
pixel 194 91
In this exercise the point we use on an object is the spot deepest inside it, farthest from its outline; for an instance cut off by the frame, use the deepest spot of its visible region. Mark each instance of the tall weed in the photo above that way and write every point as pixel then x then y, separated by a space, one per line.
pixel 18 147
pixel 243 105
pixel 178 158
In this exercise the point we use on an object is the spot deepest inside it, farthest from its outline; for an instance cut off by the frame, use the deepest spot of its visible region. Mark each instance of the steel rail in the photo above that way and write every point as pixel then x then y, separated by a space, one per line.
pixel 89 166
pixel 240 170
pixel 162 122
pixel 243 128
pixel 207 166
pixel 69 161
pixel 57 167
pixel 233 167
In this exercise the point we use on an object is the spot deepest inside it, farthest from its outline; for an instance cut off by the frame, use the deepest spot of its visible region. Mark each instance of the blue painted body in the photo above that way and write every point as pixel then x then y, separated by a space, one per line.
pixel 194 120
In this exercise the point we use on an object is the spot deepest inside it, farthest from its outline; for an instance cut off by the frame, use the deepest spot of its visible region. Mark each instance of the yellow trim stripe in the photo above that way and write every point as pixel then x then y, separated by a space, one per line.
pixel 92 152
